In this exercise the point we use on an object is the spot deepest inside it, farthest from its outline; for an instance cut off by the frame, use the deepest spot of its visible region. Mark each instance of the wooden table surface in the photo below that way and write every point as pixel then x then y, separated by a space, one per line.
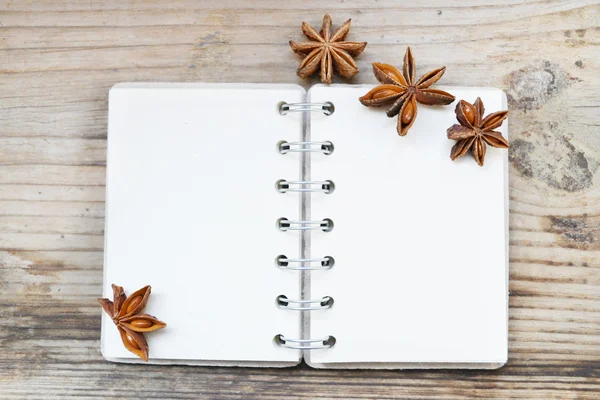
pixel 59 58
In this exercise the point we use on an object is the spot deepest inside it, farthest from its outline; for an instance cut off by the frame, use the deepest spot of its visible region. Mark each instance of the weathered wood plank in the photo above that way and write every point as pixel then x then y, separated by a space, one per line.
pixel 193 13
pixel 36 224
pixel 65 175
pixel 52 151
pixel 51 193
pixel 58 60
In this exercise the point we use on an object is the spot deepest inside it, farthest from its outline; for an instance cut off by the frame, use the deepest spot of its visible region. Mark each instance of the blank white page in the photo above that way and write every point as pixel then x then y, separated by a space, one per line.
pixel 192 209
pixel 419 241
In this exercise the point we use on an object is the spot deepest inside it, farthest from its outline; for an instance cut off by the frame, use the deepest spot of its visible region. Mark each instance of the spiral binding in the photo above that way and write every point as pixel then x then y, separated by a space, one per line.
pixel 304 305
pixel 305 147
pixel 326 108
pixel 284 186
pixel 283 262
pixel 284 224
pixel 305 344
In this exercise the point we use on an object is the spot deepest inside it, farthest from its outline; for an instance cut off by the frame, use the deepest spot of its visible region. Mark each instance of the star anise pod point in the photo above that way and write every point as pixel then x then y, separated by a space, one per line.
pixel 403 91
pixel 131 324
pixel 327 51
pixel 475 131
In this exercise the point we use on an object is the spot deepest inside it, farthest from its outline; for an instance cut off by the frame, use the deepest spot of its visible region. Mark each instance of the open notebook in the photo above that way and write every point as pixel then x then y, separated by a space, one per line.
pixel 406 253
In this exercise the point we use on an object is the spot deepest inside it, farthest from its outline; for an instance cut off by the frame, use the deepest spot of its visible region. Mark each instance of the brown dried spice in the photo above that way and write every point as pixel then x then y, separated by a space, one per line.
pixel 403 91
pixel 125 313
pixel 475 131
pixel 328 51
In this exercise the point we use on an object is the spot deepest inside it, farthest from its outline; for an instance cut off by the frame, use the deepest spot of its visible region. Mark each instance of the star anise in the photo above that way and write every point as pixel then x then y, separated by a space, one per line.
pixel 475 131
pixel 328 51
pixel 125 313
pixel 403 91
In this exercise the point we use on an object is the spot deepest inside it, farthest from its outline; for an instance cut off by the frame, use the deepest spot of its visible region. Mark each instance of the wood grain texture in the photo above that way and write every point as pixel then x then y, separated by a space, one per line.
pixel 58 59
